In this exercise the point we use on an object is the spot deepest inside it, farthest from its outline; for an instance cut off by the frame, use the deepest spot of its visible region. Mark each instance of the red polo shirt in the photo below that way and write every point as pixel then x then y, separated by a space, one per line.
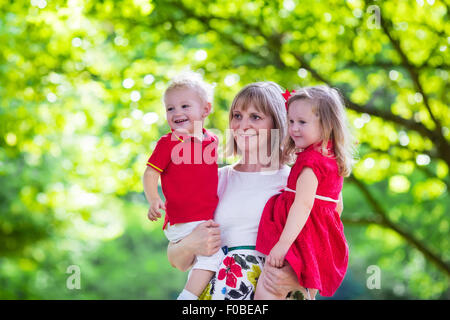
pixel 188 169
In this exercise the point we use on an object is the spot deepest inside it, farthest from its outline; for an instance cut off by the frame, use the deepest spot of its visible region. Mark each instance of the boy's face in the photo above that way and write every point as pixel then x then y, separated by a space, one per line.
pixel 183 108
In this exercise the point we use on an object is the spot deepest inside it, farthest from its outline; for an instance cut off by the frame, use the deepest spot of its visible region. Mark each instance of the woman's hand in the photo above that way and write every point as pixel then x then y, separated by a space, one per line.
pixel 203 240
pixel 280 281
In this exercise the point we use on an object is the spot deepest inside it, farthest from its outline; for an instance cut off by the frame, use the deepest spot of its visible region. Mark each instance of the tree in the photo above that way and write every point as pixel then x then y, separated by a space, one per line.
pixel 81 85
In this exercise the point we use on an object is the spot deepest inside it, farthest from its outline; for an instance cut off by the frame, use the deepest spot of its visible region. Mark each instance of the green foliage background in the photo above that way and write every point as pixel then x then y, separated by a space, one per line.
pixel 80 111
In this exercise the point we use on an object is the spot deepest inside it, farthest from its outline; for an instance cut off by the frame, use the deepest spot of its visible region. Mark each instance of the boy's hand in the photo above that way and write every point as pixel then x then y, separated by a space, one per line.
pixel 155 205
pixel 277 254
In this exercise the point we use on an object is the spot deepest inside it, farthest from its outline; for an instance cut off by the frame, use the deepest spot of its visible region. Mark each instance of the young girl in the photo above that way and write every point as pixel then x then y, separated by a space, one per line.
pixel 302 224
pixel 190 184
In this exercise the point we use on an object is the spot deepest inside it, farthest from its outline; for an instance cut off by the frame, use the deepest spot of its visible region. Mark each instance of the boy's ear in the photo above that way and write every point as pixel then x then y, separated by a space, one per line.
pixel 207 109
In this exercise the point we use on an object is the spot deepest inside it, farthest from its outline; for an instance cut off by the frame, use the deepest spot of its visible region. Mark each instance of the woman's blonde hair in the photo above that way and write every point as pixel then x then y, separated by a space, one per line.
pixel 328 105
pixel 266 97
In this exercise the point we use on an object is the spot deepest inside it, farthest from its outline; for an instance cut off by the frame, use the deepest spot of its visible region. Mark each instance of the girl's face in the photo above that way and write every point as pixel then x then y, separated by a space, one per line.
pixel 304 125
pixel 183 108
pixel 251 129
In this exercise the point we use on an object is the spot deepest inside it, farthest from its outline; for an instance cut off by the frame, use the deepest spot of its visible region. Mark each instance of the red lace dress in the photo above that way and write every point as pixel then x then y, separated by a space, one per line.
pixel 319 255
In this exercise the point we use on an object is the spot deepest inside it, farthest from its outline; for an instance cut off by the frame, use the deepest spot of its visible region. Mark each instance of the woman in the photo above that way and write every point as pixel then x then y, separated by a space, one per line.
pixel 243 191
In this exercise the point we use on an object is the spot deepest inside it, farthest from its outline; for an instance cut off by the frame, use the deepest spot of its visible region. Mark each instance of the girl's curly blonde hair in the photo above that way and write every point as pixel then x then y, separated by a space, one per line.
pixel 328 105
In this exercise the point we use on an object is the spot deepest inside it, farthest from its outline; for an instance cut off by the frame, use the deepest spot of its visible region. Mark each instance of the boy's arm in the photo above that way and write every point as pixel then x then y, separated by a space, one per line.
pixel 150 181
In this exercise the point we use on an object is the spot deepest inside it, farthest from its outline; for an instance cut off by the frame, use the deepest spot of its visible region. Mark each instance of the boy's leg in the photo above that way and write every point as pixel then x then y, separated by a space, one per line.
pixel 186 295
pixel 202 272
pixel 198 281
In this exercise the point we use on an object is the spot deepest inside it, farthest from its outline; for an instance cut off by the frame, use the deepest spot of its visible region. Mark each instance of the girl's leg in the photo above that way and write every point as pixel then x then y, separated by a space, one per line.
pixel 198 281
pixel 262 293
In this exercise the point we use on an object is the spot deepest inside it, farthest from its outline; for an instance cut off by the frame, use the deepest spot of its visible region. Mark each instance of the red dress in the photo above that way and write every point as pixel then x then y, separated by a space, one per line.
pixel 319 255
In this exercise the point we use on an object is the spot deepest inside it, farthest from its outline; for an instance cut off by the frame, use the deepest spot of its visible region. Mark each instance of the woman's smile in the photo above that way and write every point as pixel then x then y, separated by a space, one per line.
pixel 247 134
pixel 247 125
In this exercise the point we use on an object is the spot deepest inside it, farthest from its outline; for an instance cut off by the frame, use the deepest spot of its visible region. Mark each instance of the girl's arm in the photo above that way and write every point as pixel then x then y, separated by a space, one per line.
pixel 204 240
pixel 150 181
pixel 298 214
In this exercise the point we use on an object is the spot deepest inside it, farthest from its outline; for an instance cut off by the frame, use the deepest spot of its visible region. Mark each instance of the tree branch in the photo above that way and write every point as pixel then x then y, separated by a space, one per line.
pixel 434 258
pixel 410 124
pixel 274 48
pixel 424 169
pixel 408 66
pixel 360 221
pixel 438 137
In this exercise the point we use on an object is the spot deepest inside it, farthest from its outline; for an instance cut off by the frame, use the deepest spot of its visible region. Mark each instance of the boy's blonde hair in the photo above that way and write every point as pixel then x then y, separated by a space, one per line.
pixel 266 97
pixel 194 81
pixel 328 105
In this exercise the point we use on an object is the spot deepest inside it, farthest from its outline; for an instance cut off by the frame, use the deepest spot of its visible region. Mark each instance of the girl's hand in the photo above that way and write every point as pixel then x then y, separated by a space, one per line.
pixel 155 205
pixel 277 254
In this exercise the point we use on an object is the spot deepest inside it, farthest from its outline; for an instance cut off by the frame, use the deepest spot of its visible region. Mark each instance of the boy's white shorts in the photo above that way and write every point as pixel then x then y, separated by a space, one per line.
pixel 179 231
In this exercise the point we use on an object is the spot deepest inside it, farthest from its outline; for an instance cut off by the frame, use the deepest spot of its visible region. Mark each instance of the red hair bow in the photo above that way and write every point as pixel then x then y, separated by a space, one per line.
pixel 286 96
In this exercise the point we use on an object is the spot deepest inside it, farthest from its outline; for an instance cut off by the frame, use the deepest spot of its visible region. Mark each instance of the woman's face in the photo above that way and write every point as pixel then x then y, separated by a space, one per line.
pixel 251 130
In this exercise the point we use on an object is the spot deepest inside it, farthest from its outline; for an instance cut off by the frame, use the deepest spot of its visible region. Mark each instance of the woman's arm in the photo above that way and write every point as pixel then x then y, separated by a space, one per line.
pixel 204 240
pixel 298 214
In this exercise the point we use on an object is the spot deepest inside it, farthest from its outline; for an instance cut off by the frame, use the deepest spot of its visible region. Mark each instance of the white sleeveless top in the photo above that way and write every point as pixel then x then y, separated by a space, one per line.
pixel 242 197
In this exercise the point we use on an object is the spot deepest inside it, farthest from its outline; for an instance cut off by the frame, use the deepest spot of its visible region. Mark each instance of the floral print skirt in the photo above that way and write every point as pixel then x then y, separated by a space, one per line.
pixel 237 276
